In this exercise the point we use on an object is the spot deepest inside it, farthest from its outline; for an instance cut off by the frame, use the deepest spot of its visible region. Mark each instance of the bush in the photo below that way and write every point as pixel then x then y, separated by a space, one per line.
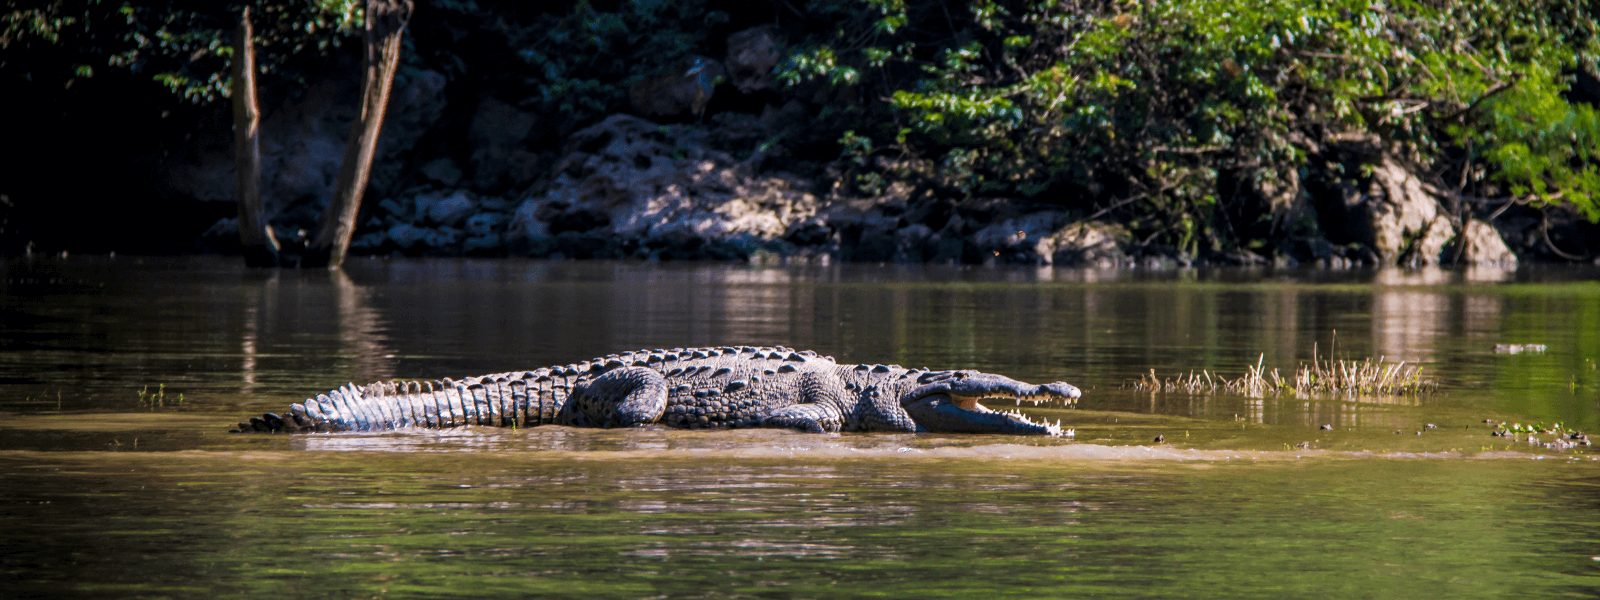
pixel 184 46
pixel 1161 113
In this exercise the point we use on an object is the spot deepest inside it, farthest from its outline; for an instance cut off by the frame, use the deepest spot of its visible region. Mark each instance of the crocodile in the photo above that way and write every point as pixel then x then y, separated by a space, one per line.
pixel 713 387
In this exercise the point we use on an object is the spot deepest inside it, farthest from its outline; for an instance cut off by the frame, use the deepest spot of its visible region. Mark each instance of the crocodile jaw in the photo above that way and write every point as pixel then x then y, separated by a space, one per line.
pixel 938 408
pixel 945 414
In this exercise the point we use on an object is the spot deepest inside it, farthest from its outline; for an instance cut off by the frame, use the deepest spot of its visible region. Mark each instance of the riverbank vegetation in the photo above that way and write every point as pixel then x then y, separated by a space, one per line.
pixel 1323 376
pixel 1186 120
pixel 1217 130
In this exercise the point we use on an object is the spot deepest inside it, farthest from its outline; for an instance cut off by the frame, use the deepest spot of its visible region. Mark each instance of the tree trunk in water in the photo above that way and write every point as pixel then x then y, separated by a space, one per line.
pixel 386 23
pixel 260 246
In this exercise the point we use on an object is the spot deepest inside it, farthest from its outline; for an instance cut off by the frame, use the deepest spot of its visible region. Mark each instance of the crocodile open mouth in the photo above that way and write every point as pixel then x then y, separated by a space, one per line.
pixel 1019 419
pixel 953 402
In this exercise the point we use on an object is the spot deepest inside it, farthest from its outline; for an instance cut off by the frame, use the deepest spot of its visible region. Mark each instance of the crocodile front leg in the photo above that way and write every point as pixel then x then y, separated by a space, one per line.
pixel 820 408
pixel 626 397
pixel 879 410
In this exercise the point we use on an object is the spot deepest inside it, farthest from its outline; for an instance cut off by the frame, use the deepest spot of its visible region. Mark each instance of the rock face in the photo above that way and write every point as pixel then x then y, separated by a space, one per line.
pixel 498 135
pixel 416 105
pixel 302 144
pixel 1387 217
pixel 752 54
pixel 1401 210
pixel 629 187
pixel 678 93
pixel 1048 238
pixel 1410 228
pixel 303 138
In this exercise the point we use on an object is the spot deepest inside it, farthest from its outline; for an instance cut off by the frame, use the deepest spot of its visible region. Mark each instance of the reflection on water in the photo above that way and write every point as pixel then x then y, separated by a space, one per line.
pixel 100 494
pixel 360 329
pixel 98 331
pixel 1409 319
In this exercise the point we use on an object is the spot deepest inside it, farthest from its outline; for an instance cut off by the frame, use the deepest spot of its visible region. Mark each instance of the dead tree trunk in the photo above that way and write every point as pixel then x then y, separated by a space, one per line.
pixel 260 246
pixel 385 26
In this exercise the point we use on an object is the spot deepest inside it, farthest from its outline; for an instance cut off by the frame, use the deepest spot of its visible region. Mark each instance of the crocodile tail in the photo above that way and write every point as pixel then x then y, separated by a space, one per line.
pixel 491 401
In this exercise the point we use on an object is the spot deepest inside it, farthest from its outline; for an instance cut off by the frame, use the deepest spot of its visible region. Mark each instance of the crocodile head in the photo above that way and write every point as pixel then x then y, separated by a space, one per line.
pixel 950 402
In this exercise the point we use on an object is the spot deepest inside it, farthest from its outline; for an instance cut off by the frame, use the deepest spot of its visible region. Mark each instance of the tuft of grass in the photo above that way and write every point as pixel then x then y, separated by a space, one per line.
pixel 158 398
pixel 1366 378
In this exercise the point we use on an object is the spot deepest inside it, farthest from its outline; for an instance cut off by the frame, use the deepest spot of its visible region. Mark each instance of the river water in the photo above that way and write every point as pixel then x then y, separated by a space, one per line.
pixel 120 377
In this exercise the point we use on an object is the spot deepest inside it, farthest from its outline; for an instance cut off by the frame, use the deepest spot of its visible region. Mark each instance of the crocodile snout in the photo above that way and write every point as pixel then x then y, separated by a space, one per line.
pixel 952 401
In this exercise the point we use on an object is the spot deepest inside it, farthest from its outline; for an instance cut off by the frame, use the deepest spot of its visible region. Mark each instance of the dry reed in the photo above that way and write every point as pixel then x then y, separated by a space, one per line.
pixel 1366 378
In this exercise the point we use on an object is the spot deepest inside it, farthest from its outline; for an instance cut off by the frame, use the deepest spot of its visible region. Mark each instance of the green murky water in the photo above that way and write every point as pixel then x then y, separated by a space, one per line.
pixel 103 492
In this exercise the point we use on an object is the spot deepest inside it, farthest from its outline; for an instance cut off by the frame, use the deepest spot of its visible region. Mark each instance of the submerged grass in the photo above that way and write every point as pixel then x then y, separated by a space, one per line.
pixel 158 398
pixel 1366 378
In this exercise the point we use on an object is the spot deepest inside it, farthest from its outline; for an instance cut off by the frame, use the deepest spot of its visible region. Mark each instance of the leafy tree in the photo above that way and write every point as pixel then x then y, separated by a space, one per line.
pixel 183 45
pixel 1154 112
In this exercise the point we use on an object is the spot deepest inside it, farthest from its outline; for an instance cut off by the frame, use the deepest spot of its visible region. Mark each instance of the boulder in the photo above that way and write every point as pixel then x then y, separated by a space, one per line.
pixel 1429 248
pixel 1483 246
pixel 449 209
pixel 490 243
pixel 912 243
pixel 752 54
pixel 1025 239
pixel 444 240
pixel 394 209
pixel 1399 209
pixel 1050 237
pixel 1366 197
pixel 863 229
pixel 528 233
pixel 483 224
pixel 406 236
pixel 1091 243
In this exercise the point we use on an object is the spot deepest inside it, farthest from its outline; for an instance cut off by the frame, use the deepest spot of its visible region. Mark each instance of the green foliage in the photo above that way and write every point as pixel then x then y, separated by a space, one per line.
pixel 1177 119
pixel 1496 78
pixel 580 61
pixel 1157 111
pixel 1540 146
pixel 183 46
